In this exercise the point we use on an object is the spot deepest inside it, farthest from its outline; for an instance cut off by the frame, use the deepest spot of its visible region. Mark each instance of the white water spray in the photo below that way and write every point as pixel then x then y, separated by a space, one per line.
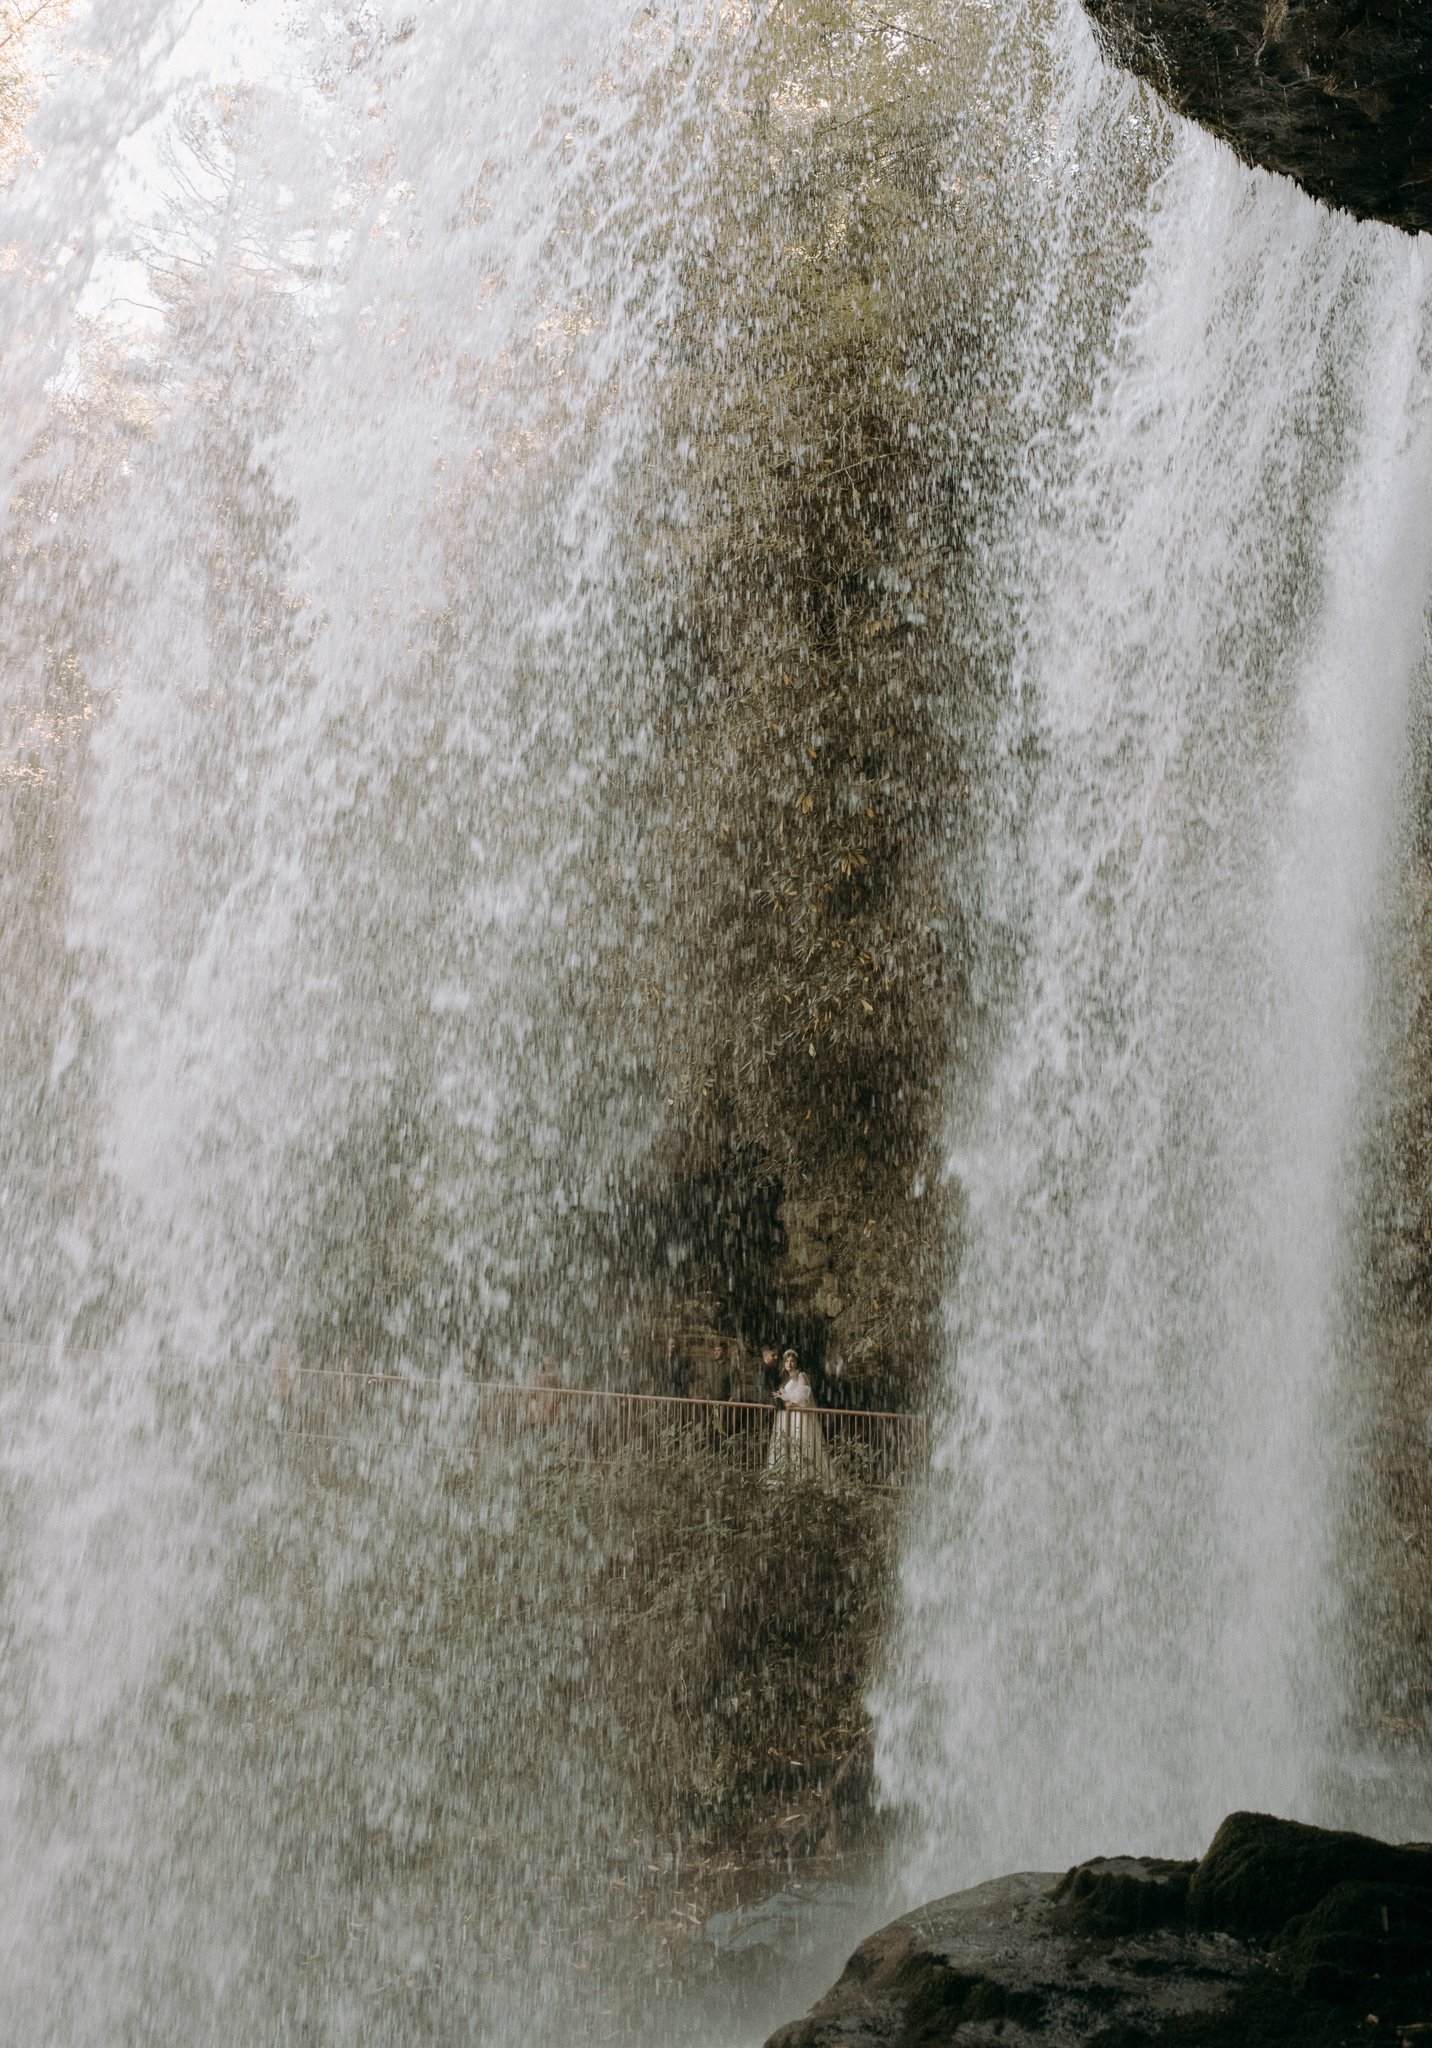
pixel 318 665
pixel 327 645
pixel 1121 1611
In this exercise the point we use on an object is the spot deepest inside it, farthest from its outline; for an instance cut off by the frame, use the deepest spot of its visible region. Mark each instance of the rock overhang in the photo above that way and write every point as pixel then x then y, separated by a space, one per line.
pixel 1335 94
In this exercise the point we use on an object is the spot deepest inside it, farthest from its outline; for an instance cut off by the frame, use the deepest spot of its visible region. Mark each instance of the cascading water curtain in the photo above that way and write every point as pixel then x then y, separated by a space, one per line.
pixel 327 340
pixel 1120 1606
pixel 346 816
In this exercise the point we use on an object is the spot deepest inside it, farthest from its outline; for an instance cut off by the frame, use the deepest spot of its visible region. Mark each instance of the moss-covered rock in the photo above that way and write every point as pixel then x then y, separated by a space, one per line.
pixel 1260 1871
pixel 1357 1934
pixel 1113 1895
pixel 1283 1936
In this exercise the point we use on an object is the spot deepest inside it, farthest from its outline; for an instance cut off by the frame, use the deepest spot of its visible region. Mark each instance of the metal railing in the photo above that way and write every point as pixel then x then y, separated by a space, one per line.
pixel 347 1408
pixel 338 1406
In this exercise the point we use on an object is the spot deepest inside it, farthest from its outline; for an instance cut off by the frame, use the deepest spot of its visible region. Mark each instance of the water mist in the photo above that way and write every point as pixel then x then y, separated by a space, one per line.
pixel 1121 1615
pixel 320 666
pixel 351 564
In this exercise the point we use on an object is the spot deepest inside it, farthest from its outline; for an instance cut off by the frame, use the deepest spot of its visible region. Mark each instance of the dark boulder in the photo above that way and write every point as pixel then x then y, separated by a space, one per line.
pixel 1334 93
pixel 1356 1935
pixel 1260 1871
pixel 1001 1963
pixel 1283 1936
pixel 1115 1895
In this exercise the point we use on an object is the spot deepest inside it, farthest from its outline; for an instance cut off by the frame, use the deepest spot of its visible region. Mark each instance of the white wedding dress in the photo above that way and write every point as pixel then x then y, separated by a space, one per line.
pixel 797 1445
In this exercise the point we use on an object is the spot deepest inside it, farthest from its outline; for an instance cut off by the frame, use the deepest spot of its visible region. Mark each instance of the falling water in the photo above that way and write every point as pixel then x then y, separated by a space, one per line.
pixel 338 834
pixel 320 668
pixel 1121 1615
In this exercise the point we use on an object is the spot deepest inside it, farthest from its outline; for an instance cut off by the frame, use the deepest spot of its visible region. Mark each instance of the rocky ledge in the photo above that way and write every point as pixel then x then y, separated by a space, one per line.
pixel 1283 1934
pixel 1335 93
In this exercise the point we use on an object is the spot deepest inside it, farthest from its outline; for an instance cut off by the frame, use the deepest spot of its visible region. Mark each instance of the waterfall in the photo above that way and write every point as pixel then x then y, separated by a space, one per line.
pixel 361 588
pixel 321 667
pixel 1121 1608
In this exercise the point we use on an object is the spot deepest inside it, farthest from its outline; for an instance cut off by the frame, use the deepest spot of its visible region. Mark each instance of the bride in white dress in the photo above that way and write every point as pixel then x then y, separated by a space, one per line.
pixel 796 1442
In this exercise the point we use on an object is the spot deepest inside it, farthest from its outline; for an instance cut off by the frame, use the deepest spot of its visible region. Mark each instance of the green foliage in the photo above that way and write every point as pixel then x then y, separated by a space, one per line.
pixel 496 1706
pixel 744 1617
pixel 22 23
pixel 813 704
pixel 687 1645
pixel 832 446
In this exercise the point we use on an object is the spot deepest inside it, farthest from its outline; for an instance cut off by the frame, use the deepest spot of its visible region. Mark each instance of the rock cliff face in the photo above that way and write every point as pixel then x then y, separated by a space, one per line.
pixel 831 455
pixel 1282 1933
pixel 1334 93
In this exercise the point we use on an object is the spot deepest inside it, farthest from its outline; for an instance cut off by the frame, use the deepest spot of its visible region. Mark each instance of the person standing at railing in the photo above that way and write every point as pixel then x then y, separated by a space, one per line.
pixel 678 1371
pixel 544 1402
pixel 797 1446
pixel 745 1384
